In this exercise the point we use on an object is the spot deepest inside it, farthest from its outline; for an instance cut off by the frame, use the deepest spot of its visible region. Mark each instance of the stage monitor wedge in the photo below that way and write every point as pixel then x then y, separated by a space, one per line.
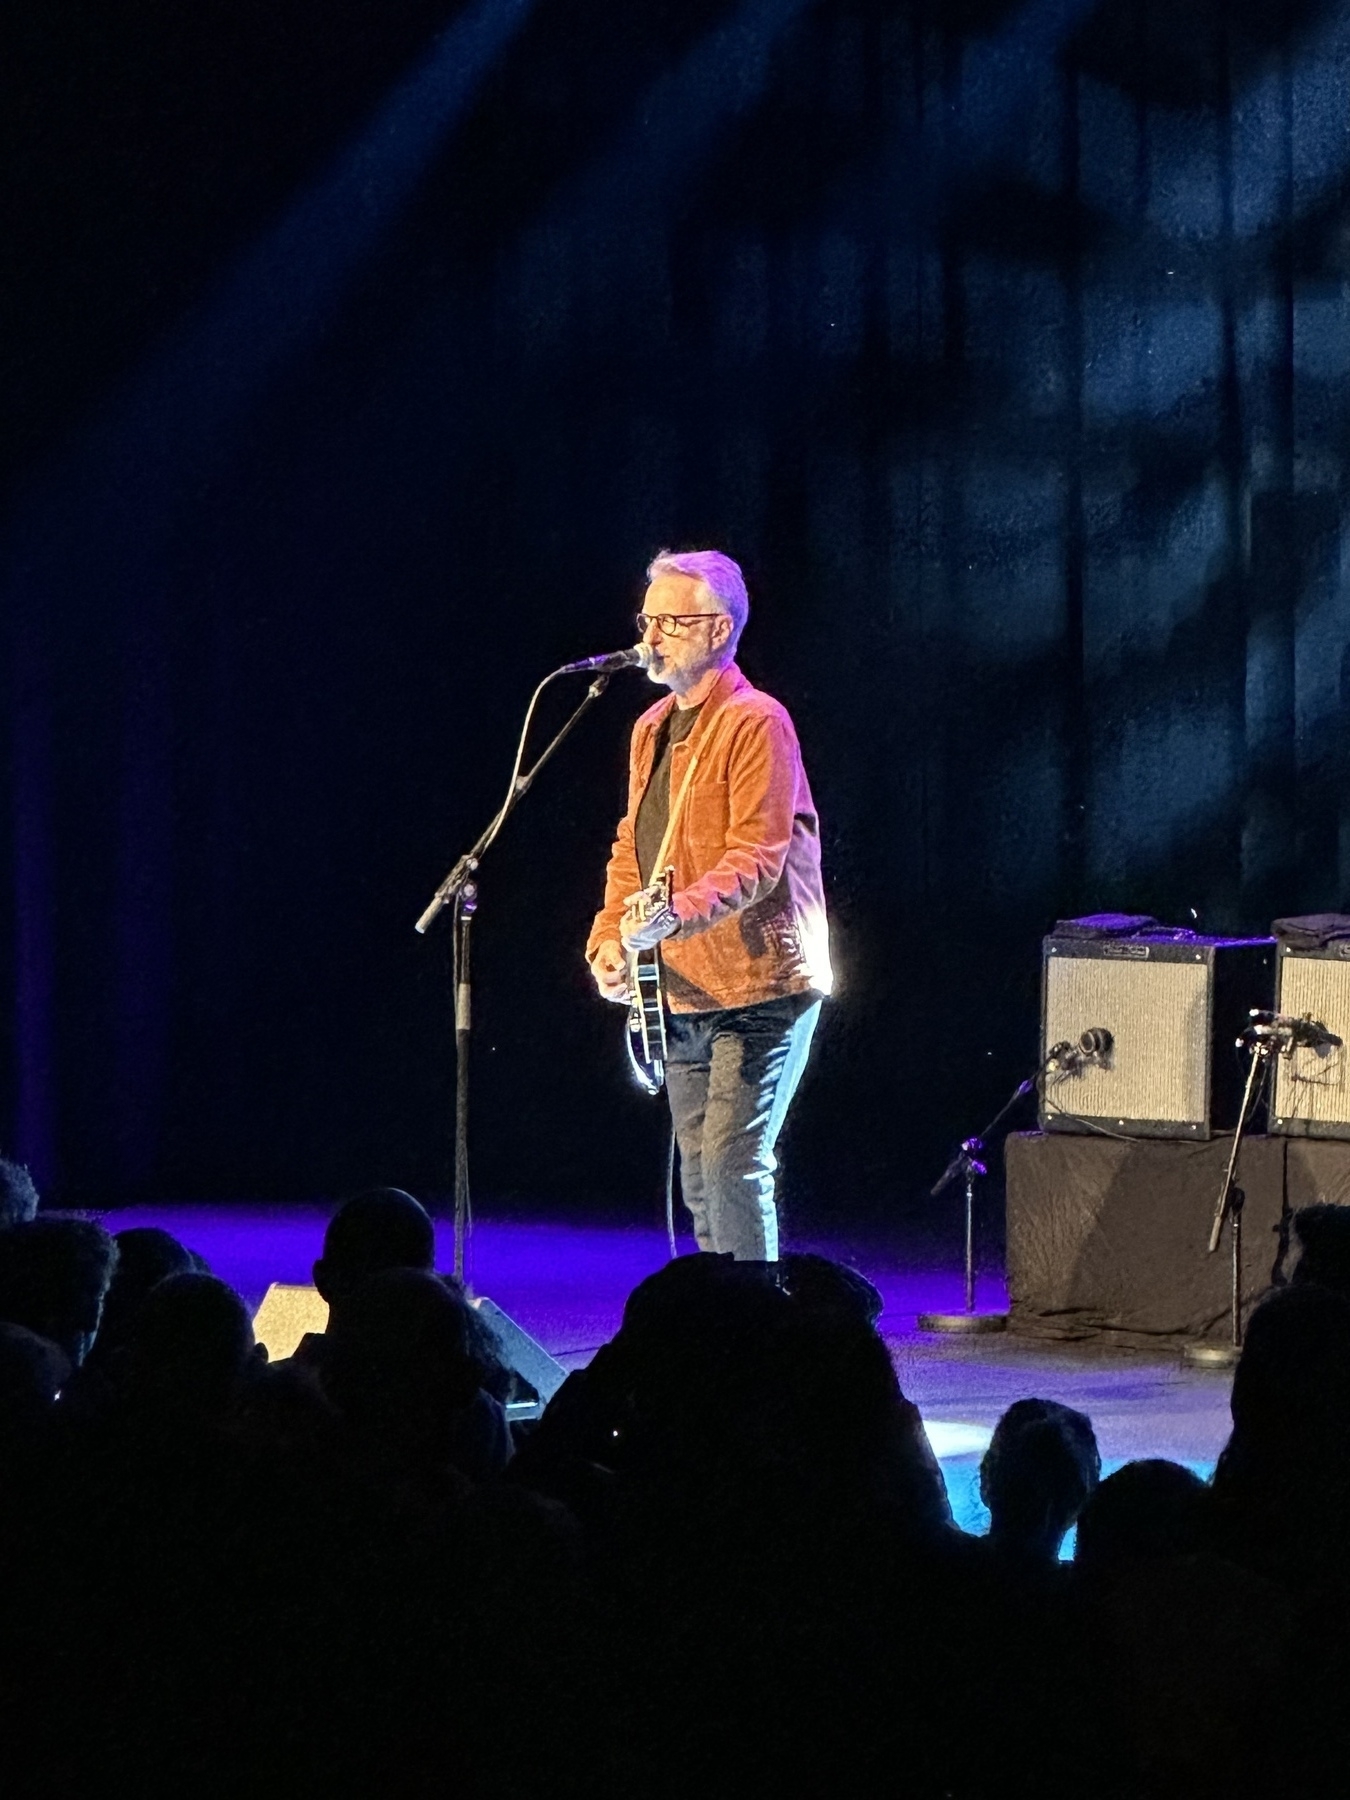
pixel 290 1310
pixel 1173 1006
pixel 1312 1087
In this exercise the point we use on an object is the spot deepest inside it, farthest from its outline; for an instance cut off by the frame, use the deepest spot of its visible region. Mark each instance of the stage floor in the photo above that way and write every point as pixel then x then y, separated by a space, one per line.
pixel 566 1285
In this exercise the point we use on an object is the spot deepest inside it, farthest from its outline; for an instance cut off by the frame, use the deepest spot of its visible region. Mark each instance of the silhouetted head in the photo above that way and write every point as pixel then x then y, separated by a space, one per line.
pixel 694 1338
pixel 145 1256
pixel 1282 1482
pixel 825 1286
pixel 18 1196
pixel 32 1373
pixel 381 1229
pixel 667 1299
pixel 54 1275
pixel 771 1376
pixel 1041 1465
pixel 1146 1511
pixel 399 1365
pixel 1323 1234
pixel 1293 1378
pixel 190 1348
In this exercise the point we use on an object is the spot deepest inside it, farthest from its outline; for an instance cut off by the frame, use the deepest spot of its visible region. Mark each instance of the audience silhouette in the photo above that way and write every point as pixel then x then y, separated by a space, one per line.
pixel 723 1562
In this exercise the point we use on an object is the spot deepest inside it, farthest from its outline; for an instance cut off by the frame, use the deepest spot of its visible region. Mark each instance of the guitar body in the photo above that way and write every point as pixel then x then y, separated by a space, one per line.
pixel 647 999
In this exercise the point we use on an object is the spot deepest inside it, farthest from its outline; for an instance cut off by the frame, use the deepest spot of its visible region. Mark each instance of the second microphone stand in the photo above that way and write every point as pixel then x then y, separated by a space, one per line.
pixel 967 1166
pixel 1265 1046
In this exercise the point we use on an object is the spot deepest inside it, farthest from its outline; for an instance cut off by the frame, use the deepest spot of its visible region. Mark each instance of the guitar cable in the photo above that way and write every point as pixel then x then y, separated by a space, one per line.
pixel 670 1191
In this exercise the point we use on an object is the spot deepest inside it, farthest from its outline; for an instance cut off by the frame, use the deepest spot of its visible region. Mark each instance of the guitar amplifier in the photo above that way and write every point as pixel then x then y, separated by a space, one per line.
pixel 1312 1087
pixel 1168 1010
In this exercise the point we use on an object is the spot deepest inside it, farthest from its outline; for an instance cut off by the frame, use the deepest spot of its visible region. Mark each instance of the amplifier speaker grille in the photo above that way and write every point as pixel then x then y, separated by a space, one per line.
pixel 1173 1009
pixel 1312 1091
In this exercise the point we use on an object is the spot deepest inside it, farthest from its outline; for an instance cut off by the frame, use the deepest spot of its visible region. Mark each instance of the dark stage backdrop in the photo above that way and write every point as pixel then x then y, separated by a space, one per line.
pixel 356 361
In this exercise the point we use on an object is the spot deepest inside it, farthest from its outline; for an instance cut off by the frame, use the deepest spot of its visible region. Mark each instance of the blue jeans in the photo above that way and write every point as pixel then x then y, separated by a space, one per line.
pixel 730 1077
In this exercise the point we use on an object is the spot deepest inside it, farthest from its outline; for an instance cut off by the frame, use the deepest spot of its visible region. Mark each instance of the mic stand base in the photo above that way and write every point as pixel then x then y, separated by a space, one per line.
pixel 1225 1356
pixel 971 1324
pixel 968 1321
pixel 1210 1356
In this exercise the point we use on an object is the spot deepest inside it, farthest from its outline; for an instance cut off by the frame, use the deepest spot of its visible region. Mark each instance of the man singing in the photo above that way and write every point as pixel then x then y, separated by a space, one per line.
pixel 717 770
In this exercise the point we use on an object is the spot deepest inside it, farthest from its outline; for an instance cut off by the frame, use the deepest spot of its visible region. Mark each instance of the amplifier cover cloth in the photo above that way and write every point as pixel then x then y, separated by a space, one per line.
pixel 1108 1239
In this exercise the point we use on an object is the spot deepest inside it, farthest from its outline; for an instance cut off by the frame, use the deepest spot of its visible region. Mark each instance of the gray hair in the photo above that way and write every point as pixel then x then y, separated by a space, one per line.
pixel 720 577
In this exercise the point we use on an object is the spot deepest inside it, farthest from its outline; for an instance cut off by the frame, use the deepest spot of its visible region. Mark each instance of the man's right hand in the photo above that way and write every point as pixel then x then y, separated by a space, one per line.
pixel 609 966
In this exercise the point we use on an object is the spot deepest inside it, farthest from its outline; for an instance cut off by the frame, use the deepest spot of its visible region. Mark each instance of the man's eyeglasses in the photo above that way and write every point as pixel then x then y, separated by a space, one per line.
pixel 671 624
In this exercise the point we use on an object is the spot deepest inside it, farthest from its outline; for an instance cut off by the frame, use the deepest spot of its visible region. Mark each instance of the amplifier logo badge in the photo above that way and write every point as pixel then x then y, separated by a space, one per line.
pixel 1130 952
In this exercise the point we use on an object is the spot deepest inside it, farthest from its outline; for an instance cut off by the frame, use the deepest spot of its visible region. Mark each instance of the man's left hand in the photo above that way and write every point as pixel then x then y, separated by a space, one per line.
pixel 645 934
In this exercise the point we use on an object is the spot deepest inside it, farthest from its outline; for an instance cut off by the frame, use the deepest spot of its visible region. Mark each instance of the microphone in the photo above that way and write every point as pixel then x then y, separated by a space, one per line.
pixel 639 657
pixel 1094 1046
pixel 1301 1033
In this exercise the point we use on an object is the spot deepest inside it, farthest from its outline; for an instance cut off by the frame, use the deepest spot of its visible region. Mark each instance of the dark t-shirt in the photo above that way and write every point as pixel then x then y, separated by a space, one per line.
pixel 653 812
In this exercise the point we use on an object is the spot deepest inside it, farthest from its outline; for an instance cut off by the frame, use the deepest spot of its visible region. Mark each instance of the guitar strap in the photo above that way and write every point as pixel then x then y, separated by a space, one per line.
pixel 674 818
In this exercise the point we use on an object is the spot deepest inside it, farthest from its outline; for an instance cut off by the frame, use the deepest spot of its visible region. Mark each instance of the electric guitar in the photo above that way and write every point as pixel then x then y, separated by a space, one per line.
pixel 646 993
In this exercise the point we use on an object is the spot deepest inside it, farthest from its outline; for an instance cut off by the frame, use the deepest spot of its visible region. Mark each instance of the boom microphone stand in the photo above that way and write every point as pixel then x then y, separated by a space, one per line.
pixel 460 891
pixel 966 1166
pixel 1265 1043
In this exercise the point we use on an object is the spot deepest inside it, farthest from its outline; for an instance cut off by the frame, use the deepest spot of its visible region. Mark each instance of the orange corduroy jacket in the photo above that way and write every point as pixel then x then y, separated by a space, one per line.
pixel 745 850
